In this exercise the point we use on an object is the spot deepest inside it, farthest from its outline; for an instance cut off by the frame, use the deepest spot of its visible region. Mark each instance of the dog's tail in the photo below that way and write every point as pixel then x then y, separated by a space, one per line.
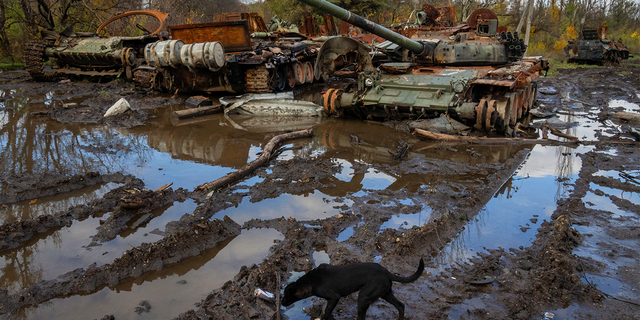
pixel 412 277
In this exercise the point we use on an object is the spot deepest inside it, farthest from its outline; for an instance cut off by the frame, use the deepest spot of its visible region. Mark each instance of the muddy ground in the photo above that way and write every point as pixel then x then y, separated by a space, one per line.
pixel 553 274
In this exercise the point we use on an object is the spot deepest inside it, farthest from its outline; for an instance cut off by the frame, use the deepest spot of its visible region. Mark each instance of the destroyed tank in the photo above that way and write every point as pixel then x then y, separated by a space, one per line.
pixel 478 76
pixel 593 48
pixel 251 57
pixel 88 53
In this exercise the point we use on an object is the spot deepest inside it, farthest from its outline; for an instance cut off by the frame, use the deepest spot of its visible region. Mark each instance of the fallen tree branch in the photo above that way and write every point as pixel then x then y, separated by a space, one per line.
pixel 195 112
pixel 481 140
pixel 559 133
pixel 428 135
pixel 251 166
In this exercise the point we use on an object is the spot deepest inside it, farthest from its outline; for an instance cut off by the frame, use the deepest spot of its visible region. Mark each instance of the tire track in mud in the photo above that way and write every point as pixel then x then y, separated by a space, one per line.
pixel 14 234
pixel 547 275
pixel 35 186
pixel 174 248
pixel 148 200
pixel 236 300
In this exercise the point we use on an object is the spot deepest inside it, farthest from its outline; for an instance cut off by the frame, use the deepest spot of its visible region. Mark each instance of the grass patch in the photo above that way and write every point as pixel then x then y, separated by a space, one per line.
pixel 555 64
pixel 11 66
pixel 634 62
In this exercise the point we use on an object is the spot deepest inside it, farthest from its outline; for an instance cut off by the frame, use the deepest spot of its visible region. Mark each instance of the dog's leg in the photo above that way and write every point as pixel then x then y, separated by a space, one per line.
pixel 369 294
pixel 328 311
pixel 389 297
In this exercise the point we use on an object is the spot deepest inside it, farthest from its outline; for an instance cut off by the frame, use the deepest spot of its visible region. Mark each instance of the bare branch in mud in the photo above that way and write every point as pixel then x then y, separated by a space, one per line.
pixel 428 135
pixel 251 166
pixel 561 134
pixel 195 112
pixel 482 140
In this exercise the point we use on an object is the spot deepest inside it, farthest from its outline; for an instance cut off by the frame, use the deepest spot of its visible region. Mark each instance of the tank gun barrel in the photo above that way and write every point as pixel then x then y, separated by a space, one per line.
pixel 358 21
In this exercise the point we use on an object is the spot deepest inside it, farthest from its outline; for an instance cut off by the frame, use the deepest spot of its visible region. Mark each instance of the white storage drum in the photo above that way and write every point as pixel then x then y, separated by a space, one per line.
pixel 165 53
pixel 204 55
pixel 149 55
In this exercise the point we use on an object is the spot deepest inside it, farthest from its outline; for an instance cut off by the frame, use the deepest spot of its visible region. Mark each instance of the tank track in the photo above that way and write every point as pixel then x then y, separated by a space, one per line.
pixel 33 60
pixel 257 80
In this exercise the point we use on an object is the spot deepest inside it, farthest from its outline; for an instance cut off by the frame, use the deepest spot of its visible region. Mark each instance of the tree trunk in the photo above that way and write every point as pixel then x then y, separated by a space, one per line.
pixel 29 18
pixel 526 36
pixel 528 8
pixel 4 40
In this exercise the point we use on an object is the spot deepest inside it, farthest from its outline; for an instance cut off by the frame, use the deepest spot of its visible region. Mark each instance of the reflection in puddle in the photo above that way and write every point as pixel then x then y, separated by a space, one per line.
pixel 25 210
pixel 345 234
pixel 58 252
pixel 165 290
pixel 607 285
pixel 320 257
pixel 625 105
pixel 603 202
pixel 407 221
pixel 512 217
pixel 301 208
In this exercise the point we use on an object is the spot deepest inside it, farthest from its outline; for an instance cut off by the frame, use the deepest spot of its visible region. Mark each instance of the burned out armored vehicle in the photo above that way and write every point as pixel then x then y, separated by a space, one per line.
pixel 478 76
pixel 239 53
pixel 250 57
pixel 91 54
pixel 594 48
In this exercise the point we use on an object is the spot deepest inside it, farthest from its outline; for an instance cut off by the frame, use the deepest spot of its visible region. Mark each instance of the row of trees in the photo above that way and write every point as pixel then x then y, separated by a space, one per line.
pixel 553 21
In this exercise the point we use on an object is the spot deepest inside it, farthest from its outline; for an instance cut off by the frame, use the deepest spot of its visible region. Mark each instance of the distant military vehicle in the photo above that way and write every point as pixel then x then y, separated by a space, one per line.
pixel 593 48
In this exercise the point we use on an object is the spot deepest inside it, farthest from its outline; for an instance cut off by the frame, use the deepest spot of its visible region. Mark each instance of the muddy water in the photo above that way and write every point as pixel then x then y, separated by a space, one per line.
pixel 189 153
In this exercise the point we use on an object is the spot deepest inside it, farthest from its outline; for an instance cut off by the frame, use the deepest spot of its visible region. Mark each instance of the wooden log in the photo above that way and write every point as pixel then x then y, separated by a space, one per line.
pixel 486 140
pixel 628 116
pixel 559 133
pixel 164 187
pixel 195 112
pixel 480 140
pixel 268 151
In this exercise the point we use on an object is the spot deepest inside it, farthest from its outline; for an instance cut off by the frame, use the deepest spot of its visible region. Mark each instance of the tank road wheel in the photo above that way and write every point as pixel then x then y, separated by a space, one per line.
pixel 33 61
pixel 308 71
pixel 291 75
pixel 519 102
pixel 279 78
pixel 317 74
pixel 257 80
pixel 503 115
pixel 300 73
pixel 481 114
pixel 533 95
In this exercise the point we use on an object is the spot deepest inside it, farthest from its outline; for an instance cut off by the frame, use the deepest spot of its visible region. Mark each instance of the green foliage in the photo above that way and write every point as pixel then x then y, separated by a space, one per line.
pixel 555 64
pixel 11 66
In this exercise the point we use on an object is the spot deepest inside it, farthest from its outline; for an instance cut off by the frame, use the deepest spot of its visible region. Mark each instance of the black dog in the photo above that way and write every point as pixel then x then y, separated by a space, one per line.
pixel 334 282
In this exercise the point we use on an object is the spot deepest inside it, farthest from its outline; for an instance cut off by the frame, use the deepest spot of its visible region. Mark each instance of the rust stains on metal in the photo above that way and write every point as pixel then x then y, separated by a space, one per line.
pixel 234 35
pixel 160 16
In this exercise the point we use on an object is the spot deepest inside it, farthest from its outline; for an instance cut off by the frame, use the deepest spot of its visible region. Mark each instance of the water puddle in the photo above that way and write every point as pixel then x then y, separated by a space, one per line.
pixel 625 105
pixel 320 257
pixel 49 255
pixel 607 285
pixel 511 218
pixel 31 209
pixel 172 290
pixel 407 221
pixel 310 207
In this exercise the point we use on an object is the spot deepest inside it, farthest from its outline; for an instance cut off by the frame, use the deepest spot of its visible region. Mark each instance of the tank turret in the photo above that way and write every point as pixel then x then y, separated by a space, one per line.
pixel 474 72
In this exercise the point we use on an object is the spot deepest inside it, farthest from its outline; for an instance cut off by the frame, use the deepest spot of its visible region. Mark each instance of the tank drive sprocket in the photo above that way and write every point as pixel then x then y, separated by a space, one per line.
pixel 257 80
pixel 34 58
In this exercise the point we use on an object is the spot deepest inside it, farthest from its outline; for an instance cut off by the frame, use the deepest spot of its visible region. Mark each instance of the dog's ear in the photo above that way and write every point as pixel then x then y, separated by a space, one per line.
pixel 304 291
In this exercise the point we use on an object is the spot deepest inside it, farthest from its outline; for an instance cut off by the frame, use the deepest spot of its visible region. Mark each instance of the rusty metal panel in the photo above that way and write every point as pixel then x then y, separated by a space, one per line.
pixel 330 25
pixel 343 27
pixel 234 35
pixel 309 27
